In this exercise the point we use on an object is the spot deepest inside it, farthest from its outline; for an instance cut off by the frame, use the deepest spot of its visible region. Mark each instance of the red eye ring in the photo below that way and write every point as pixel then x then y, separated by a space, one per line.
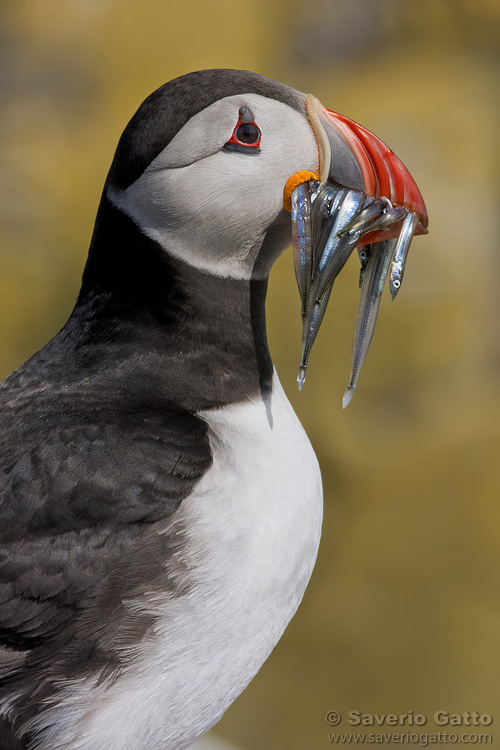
pixel 249 137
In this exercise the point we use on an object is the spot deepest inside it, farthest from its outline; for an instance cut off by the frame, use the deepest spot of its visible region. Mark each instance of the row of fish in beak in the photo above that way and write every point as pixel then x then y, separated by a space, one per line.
pixel 328 222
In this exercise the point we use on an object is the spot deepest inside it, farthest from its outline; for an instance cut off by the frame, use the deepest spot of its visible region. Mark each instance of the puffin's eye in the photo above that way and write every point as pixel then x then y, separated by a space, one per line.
pixel 246 134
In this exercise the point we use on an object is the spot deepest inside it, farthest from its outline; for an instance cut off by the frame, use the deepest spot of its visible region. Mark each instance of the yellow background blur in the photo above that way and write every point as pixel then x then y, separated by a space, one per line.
pixel 403 610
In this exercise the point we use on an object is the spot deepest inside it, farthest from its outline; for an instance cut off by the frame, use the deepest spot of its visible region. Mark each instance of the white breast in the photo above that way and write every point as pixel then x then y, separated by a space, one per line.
pixel 253 526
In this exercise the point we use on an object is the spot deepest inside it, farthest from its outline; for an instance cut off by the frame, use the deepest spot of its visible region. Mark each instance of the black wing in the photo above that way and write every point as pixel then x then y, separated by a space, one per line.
pixel 85 486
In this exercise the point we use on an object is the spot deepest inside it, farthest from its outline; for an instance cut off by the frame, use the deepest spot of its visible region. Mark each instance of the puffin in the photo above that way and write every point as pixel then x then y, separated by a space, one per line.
pixel 160 502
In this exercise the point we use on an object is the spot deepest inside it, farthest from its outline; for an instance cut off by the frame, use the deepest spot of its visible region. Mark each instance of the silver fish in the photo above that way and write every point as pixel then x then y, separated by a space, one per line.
pixel 363 222
pixel 338 248
pixel 363 253
pixel 330 206
pixel 301 236
pixel 377 268
pixel 311 323
pixel 328 222
pixel 323 216
pixel 390 216
pixel 403 245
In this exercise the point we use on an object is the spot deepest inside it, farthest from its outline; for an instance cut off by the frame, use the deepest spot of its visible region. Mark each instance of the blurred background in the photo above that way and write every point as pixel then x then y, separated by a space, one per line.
pixel 403 610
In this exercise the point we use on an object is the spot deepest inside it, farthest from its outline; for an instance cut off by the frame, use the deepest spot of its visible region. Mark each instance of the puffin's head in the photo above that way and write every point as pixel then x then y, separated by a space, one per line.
pixel 210 167
pixel 202 165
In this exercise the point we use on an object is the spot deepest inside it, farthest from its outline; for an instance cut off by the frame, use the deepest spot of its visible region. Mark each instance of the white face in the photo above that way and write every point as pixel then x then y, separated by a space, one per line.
pixel 211 207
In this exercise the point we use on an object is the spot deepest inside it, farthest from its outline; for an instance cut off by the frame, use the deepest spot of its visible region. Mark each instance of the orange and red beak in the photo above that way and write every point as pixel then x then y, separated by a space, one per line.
pixel 353 157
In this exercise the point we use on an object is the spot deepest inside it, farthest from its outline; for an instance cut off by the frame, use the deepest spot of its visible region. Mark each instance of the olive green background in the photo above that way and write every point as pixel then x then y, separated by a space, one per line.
pixel 403 609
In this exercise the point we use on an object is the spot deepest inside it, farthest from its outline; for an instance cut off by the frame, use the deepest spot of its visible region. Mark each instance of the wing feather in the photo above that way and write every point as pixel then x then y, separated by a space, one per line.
pixel 79 488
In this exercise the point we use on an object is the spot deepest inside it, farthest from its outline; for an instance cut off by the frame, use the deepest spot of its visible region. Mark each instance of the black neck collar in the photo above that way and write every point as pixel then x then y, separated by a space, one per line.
pixel 148 317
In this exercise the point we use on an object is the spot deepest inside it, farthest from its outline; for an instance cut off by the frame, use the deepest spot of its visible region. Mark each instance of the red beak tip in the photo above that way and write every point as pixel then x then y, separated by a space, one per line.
pixel 384 174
